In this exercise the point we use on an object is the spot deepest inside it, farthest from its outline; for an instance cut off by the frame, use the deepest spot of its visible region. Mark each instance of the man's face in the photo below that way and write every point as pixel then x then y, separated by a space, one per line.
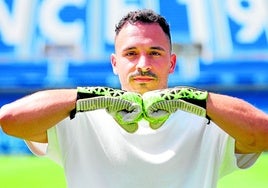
pixel 142 57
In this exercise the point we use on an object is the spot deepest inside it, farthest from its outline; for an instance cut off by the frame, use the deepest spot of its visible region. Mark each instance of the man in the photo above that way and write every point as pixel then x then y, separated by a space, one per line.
pixel 153 136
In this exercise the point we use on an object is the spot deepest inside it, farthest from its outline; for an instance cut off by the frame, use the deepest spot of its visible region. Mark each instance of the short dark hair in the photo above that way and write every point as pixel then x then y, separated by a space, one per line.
pixel 144 16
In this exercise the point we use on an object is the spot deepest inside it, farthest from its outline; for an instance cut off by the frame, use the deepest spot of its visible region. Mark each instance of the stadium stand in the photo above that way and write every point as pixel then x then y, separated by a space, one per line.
pixel 33 74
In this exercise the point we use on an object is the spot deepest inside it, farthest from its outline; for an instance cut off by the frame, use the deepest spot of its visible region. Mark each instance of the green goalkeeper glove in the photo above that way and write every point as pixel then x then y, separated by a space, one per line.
pixel 159 104
pixel 125 107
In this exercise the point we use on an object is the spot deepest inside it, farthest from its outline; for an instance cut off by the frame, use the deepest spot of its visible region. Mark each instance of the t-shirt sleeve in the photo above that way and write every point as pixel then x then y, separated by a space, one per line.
pixel 50 149
pixel 53 150
pixel 232 161
pixel 246 160
pixel 38 149
pixel 57 139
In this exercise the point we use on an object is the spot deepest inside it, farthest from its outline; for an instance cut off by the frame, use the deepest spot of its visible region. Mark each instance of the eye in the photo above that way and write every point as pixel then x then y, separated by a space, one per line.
pixel 130 53
pixel 155 53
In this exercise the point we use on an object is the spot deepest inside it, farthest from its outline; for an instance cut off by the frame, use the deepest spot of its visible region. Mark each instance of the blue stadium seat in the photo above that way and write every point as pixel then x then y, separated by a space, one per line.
pixel 237 72
pixel 91 73
pixel 29 74
pixel 33 74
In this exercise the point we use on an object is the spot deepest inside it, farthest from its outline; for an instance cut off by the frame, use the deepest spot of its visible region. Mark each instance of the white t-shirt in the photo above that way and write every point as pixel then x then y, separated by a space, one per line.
pixel 185 152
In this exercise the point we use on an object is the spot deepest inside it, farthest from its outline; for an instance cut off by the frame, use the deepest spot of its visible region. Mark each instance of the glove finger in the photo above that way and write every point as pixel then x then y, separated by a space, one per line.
pixel 126 113
pixel 187 107
pixel 130 116
pixel 128 119
pixel 157 118
pixel 157 125
pixel 128 127
pixel 156 113
pixel 159 112
pixel 89 104
pixel 121 104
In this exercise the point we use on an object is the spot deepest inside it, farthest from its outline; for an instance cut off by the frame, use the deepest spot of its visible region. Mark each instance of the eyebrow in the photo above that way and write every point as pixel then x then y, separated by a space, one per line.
pixel 157 48
pixel 151 48
pixel 129 48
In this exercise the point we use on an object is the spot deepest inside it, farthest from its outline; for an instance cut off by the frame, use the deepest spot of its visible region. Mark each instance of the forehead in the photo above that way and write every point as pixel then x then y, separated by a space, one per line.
pixel 141 33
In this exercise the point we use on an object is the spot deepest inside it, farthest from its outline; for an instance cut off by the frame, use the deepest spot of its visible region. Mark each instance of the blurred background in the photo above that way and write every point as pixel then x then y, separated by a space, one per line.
pixel 222 46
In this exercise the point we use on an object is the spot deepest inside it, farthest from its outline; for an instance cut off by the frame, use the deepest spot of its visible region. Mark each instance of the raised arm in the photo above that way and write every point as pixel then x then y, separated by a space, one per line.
pixel 245 123
pixel 30 117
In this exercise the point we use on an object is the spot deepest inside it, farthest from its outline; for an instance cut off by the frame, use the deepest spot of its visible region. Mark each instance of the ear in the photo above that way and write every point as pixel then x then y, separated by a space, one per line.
pixel 173 59
pixel 113 62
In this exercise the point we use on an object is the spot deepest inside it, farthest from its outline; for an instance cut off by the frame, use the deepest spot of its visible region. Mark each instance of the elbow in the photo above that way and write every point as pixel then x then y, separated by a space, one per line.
pixel 14 125
pixel 7 122
pixel 10 127
pixel 261 146
pixel 259 134
pixel 257 147
pixel 255 141
pixel 262 135
pixel 6 129
pixel 260 143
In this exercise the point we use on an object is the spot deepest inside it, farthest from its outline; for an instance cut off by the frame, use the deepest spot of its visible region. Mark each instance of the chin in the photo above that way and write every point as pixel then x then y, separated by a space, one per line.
pixel 143 88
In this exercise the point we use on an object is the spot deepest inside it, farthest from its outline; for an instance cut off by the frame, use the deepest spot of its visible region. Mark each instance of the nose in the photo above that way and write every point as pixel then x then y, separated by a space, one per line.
pixel 143 64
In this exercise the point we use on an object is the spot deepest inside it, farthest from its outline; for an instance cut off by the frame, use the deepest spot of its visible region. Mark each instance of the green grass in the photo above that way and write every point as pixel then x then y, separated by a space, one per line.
pixel 33 172
pixel 254 177
pixel 30 172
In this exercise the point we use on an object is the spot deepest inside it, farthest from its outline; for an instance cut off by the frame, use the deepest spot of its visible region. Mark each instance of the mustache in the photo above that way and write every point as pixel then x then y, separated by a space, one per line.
pixel 141 73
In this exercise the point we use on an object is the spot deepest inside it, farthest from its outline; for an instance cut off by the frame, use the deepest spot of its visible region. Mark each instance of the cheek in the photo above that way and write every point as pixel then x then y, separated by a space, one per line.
pixel 123 70
pixel 163 73
pixel 163 69
pixel 126 67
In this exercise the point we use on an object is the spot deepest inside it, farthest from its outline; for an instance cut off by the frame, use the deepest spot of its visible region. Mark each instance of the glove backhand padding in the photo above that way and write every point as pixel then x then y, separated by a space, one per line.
pixel 125 107
pixel 159 104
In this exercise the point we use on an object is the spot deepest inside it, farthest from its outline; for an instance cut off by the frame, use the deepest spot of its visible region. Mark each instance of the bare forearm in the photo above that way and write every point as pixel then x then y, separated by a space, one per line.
pixel 247 124
pixel 30 117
